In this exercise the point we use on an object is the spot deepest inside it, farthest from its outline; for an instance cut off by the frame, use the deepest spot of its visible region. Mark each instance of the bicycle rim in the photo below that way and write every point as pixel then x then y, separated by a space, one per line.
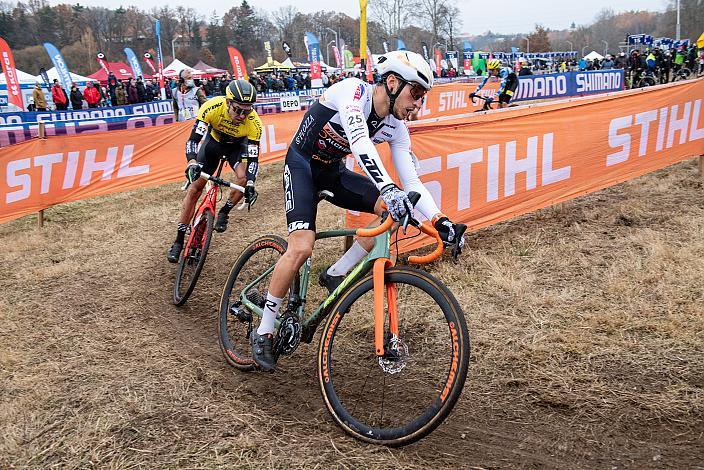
pixel 233 329
pixel 394 404
pixel 192 259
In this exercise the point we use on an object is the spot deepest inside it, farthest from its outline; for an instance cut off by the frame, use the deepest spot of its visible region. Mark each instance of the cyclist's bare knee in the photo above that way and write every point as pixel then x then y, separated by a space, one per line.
pixel 300 246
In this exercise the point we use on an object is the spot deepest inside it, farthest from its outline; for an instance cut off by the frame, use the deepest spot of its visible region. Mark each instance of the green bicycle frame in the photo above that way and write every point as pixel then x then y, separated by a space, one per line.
pixel 380 250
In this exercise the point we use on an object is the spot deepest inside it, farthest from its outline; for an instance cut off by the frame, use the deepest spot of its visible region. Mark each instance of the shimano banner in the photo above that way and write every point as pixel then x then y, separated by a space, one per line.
pixel 560 85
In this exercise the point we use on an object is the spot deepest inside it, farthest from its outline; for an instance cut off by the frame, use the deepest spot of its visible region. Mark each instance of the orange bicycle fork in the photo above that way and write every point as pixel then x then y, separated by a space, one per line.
pixel 378 276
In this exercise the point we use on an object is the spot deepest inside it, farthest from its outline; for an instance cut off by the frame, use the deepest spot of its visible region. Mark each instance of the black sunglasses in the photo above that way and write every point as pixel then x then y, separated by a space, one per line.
pixel 240 111
pixel 417 91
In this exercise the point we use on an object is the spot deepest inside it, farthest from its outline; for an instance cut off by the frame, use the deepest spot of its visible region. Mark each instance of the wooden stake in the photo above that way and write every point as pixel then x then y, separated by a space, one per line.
pixel 701 166
pixel 40 214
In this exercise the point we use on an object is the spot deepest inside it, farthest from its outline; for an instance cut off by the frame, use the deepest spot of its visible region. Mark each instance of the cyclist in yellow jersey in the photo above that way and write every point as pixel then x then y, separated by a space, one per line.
pixel 229 127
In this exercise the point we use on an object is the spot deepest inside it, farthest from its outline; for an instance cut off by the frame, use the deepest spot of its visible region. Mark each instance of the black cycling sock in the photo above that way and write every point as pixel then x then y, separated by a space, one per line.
pixel 227 207
pixel 181 232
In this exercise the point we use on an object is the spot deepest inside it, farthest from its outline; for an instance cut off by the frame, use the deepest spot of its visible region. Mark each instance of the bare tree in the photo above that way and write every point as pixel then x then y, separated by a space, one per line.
pixel 452 21
pixel 284 18
pixel 432 14
pixel 392 15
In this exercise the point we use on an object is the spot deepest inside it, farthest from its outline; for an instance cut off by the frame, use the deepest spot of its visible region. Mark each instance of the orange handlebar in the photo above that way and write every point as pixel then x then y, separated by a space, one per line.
pixel 429 230
pixel 373 232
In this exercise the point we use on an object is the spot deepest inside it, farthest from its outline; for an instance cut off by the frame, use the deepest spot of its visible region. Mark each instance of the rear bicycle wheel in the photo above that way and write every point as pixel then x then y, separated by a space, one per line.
pixel 236 322
pixel 192 259
pixel 646 82
pixel 399 399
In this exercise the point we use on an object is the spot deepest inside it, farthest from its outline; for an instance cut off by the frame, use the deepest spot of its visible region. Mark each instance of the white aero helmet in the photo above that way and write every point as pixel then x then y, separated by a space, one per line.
pixel 408 65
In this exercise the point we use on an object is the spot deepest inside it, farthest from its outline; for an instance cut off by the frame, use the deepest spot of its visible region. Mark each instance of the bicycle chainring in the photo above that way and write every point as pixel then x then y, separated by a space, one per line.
pixel 288 337
pixel 395 355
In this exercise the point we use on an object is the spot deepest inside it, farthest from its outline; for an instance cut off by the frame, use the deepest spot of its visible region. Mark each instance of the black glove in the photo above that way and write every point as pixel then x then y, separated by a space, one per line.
pixel 193 171
pixel 250 194
pixel 448 232
pixel 472 95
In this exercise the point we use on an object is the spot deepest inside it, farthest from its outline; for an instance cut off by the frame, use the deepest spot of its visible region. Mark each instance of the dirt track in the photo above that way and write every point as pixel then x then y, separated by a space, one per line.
pixel 587 324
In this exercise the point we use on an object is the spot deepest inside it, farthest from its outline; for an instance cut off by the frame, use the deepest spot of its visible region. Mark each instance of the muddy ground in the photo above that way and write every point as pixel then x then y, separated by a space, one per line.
pixel 586 320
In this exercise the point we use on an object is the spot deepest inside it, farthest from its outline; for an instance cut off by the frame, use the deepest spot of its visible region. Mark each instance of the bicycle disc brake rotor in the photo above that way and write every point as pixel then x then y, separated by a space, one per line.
pixel 288 336
pixel 395 356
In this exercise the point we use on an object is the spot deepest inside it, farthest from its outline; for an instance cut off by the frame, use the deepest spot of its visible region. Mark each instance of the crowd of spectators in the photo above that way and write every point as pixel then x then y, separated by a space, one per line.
pixel 663 63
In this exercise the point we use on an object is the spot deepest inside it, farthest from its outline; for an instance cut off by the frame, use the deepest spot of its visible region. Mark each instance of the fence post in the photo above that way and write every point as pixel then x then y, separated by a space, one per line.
pixel 40 214
pixel 701 166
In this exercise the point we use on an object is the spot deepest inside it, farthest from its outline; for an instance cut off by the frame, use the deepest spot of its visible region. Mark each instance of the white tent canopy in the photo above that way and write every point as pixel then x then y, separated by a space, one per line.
pixel 593 55
pixel 176 66
pixel 23 77
pixel 53 74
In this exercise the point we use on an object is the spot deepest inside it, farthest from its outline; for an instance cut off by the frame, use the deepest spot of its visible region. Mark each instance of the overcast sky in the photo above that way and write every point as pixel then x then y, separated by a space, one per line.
pixel 504 16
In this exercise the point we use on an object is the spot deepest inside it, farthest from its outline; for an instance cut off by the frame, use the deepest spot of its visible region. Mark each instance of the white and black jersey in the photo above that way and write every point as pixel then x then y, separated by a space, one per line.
pixel 343 122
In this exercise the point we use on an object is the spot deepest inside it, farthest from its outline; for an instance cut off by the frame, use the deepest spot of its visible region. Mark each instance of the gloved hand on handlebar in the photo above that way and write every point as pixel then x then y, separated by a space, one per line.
pixel 397 202
pixel 448 231
pixel 250 194
pixel 472 95
pixel 193 170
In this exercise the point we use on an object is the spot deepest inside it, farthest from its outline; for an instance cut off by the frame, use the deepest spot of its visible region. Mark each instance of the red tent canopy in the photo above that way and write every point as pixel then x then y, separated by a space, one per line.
pixel 208 69
pixel 121 70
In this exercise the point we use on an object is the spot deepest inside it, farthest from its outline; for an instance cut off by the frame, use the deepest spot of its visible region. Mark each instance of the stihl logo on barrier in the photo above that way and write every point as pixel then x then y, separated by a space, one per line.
pixel 76 169
pixel 627 132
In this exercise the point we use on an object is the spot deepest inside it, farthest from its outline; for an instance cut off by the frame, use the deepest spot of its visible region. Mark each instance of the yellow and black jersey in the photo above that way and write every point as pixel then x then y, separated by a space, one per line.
pixel 222 128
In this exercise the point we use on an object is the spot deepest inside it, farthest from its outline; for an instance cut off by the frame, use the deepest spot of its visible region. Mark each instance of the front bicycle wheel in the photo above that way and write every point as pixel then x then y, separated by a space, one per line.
pixel 192 259
pixel 401 398
pixel 236 322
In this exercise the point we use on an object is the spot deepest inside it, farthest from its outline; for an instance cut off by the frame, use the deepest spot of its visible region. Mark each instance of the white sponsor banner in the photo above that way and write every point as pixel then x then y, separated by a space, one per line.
pixel 290 103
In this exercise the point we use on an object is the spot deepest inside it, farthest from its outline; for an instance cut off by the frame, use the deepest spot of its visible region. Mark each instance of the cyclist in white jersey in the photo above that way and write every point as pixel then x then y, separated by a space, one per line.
pixel 350 117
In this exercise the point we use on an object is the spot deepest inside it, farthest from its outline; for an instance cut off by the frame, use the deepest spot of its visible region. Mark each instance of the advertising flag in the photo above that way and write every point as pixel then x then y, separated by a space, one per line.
pixel 385 45
pixel 60 64
pixel 314 54
pixel 349 59
pixel 438 61
pixel 424 46
pixel 45 77
pixel 134 63
pixel 150 62
pixel 100 57
pixel 267 48
pixel 160 59
pixel 369 64
pixel 401 46
pixel 338 57
pixel 14 96
pixel 286 48
pixel 237 62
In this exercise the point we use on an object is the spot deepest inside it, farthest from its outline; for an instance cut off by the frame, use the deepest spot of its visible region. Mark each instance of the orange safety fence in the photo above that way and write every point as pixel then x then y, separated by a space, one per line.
pixel 482 169
pixel 41 173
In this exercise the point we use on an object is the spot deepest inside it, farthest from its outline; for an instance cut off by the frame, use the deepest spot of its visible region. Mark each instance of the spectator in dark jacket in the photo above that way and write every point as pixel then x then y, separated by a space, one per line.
pixel 131 91
pixel 76 97
pixel 141 91
pixel 112 85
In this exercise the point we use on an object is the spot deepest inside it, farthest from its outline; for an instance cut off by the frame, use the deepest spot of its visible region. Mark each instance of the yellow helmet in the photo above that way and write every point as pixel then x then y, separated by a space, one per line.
pixel 493 64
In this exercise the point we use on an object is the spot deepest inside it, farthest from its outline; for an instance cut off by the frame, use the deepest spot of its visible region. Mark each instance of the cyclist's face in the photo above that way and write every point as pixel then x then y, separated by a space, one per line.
pixel 494 72
pixel 410 100
pixel 238 112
